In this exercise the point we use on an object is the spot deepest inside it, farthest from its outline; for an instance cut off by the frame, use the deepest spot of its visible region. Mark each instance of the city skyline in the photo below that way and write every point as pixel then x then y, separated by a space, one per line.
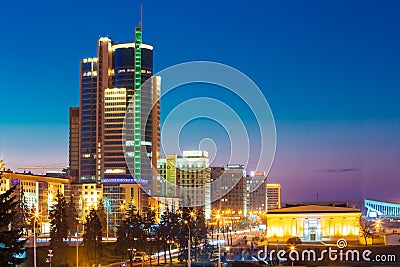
pixel 331 139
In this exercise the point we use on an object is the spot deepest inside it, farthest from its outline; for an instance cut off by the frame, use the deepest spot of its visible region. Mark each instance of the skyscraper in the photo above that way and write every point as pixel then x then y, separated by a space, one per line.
pixel 108 84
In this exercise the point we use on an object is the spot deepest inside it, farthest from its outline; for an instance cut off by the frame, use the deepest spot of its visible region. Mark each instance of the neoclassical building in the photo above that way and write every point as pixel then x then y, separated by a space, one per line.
pixel 313 223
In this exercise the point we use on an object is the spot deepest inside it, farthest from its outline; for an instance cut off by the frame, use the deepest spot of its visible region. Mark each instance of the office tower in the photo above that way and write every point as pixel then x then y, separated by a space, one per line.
pixel 108 83
pixel 263 196
pixel 230 184
pixel 113 84
pixel 257 192
pixel 74 144
pixel 273 196
pixel 187 177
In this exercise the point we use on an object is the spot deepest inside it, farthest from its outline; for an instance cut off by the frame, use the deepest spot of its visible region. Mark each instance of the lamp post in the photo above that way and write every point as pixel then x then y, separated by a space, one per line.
pixel 34 240
pixel 76 242
pixel 131 251
pixel 35 216
pixel 189 261
pixel 219 245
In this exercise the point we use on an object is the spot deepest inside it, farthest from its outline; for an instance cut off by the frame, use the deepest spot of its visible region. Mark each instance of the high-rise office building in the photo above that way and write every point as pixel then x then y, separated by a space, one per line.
pixel 230 185
pixel 112 85
pixel 107 85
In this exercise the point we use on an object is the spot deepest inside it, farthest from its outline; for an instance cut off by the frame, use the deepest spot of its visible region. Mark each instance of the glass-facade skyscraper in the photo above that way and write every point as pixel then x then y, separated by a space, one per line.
pixel 108 83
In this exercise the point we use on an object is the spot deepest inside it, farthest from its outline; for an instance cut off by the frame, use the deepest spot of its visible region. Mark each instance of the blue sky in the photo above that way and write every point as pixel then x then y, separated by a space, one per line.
pixel 329 70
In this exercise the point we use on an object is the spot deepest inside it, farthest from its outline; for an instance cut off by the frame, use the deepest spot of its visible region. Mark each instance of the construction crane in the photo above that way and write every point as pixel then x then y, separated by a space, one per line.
pixel 42 167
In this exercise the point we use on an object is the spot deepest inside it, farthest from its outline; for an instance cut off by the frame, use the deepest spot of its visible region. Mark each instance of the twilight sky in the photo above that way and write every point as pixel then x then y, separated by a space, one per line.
pixel 329 70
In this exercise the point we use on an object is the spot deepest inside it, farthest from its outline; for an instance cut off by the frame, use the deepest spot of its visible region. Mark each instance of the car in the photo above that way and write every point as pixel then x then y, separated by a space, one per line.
pixel 293 241
pixel 140 256
pixel 214 261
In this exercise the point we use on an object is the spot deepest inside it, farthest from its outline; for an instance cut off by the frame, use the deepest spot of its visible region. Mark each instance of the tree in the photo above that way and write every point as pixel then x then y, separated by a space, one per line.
pixel 92 238
pixel 149 227
pixel 366 229
pixel 170 230
pixel 130 233
pixel 72 221
pixel 200 231
pixel 59 226
pixel 10 243
pixel 101 212
pixel 22 217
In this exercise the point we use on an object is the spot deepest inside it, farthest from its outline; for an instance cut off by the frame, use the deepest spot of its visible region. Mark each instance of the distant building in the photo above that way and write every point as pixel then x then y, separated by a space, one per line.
pixel 230 189
pixel 375 209
pixel 263 196
pixel 257 192
pixel 188 178
pixel 40 193
pixel 273 196
pixel 314 223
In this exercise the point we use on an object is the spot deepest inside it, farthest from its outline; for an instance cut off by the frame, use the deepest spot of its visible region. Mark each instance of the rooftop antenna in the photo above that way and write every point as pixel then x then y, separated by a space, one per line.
pixel 140 21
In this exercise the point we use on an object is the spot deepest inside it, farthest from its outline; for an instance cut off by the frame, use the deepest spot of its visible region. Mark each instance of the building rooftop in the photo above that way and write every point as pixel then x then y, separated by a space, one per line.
pixel 313 209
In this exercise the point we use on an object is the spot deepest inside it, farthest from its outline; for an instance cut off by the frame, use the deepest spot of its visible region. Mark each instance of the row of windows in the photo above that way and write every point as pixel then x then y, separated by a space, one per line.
pixel 109 137
pixel 113 154
pixel 107 104
pixel 115 120
pixel 115 97
pixel 114 165
pixel 115 115
pixel 119 131
pixel 115 109
pixel 116 125
pixel 113 142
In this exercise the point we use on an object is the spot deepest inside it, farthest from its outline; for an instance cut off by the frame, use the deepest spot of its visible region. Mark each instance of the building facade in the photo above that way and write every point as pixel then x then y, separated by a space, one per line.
pixel 273 196
pixel 230 189
pixel 40 193
pixel 119 122
pixel 187 177
pixel 263 196
pixel 257 192
pixel 314 223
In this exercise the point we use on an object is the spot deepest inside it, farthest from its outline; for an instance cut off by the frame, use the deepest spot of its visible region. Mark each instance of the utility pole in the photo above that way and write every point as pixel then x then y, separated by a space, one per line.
pixel 34 241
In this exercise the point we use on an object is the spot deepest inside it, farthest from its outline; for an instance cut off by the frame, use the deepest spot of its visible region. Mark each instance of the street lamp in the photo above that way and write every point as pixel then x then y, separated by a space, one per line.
pixel 189 261
pixel 218 216
pixel 35 217
pixel 77 247
pixel 131 250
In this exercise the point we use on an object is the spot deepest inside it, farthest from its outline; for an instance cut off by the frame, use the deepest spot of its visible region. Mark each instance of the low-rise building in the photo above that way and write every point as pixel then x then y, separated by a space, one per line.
pixel 313 223
pixel 40 193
